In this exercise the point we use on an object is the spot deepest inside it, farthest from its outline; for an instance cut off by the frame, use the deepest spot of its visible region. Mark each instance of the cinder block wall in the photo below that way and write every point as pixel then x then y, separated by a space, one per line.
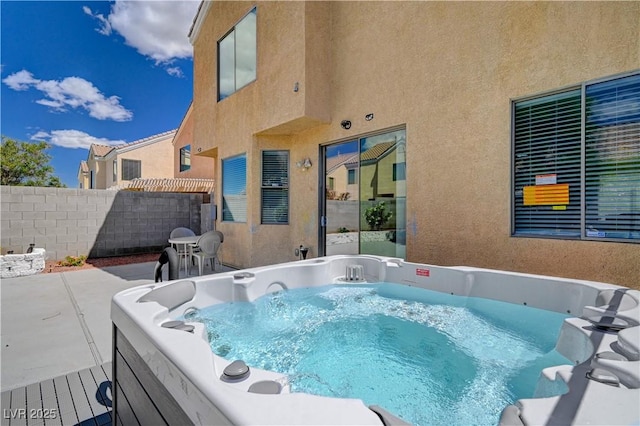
pixel 97 223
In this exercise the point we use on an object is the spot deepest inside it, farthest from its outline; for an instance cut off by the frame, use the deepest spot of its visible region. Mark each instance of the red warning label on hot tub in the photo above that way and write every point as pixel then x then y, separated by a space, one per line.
pixel 422 272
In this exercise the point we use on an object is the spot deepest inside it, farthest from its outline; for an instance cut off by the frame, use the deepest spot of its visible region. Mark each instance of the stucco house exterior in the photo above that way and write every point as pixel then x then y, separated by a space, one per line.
pixel 111 166
pixel 508 114
pixel 185 164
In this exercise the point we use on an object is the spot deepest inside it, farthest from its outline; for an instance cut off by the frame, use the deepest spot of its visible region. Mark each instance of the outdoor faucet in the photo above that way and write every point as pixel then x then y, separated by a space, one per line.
pixel 303 251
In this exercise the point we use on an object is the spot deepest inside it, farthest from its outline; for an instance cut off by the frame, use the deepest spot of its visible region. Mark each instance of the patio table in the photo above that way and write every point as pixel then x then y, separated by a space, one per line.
pixel 185 242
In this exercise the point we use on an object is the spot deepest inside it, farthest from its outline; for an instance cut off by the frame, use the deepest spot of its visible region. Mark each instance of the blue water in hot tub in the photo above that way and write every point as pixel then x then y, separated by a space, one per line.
pixel 428 357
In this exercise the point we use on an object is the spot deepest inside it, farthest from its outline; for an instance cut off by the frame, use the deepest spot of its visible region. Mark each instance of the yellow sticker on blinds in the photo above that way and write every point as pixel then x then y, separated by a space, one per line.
pixel 546 195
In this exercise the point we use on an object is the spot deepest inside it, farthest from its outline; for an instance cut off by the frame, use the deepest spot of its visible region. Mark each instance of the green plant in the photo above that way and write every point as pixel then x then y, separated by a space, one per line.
pixel 73 261
pixel 376 216
pixel 342 230
pixel 26 164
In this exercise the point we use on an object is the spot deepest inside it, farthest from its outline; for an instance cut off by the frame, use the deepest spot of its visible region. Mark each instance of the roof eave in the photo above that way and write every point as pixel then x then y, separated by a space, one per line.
pixel 194 31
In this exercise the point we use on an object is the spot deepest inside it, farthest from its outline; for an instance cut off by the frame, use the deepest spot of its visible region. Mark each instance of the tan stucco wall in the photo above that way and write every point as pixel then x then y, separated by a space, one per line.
pixel 201 167
pixel 83 180
pixel 108 165
pixel 446 71
pixel 99 173
pixel 156 158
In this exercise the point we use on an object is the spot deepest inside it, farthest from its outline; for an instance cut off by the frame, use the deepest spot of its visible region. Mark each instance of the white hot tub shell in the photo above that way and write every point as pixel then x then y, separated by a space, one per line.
pixel 171 376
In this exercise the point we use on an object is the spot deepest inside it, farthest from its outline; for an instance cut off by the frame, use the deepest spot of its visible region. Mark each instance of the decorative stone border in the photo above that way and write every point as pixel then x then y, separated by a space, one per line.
pixel 18 265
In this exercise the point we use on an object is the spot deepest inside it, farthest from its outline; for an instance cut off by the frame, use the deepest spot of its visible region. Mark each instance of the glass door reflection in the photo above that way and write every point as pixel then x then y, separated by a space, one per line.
pixel 365 190
pixel 341 211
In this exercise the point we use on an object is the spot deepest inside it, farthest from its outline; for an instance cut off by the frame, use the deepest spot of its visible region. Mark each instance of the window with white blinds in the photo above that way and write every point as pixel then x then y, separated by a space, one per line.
pixel 275 187
pixel 234 189
pixel 131 169
pixel 576 162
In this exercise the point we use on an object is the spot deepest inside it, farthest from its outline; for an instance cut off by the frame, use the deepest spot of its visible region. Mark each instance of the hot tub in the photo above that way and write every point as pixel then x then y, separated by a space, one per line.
pixel 166 373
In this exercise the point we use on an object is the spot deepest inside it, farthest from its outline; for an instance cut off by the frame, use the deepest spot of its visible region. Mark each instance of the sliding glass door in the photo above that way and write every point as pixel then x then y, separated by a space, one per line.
pixel 341 192
pixel 363 210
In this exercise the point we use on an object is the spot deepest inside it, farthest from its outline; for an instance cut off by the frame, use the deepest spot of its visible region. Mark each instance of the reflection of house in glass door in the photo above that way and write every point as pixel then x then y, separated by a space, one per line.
pixel 365 194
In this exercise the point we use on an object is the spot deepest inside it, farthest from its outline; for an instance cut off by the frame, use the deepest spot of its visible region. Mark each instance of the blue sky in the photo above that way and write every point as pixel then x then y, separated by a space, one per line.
pixel 80 72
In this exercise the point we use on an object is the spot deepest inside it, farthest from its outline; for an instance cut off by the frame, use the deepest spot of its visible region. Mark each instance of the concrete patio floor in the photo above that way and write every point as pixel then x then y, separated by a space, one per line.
pixel 55 324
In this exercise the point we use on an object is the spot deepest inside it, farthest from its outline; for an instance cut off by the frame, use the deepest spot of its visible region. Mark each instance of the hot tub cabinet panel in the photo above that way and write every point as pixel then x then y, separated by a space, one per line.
pixel 169 375
pixel 138 395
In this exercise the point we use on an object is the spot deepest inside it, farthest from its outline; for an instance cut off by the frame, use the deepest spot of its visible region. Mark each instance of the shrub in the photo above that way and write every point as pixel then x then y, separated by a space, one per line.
pixel 73 261
pixel 376 216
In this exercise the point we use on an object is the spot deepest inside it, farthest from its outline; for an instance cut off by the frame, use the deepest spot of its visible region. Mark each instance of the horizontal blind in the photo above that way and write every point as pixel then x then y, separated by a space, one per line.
pixel 547 150
pixel 275 187
pixel 234 189
pixel 612 159
pixel 131 169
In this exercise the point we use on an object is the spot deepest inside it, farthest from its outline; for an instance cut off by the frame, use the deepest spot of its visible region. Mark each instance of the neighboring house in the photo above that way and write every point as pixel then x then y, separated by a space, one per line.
pixel 519 123
pixel 342 177
pixel 84 175
pixel 114 166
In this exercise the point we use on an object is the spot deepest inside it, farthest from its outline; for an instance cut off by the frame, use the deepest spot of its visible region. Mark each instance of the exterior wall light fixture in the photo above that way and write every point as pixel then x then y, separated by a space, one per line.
pixel 304 164
pixel 346 124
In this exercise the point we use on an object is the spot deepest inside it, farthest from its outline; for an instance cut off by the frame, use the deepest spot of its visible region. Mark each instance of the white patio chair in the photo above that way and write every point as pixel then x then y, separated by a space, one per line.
pixel 205 248
pixel 182 249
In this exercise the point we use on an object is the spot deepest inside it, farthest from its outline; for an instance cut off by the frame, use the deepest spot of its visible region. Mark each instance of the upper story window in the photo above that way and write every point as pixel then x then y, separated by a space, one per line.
pixel 131 169
pixel 237 56
pixel 234 189
pixel 185 158
pixel 576 162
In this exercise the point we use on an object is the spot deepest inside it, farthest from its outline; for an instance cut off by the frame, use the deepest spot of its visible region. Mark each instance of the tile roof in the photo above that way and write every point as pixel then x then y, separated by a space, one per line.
pixel 84 167
pixel 101 150
pixel 169 185
pixel 340 159
pixel 377 150
pixel 139 141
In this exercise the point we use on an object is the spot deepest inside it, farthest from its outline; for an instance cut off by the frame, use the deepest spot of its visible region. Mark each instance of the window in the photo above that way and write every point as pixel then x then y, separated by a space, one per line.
pixel 237 57
pixel 185 158
pixel 576 162
pixel 399 171
pixel 352 177
pixel 91 183
pixel 131 169
pixel 275 187
pixel 234 189
pixel 331 183
pixel 115 171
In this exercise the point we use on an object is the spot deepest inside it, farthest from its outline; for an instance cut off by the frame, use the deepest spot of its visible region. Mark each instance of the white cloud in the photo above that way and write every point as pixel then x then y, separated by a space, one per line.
pixel 74 92
pixel 72 139
pixel 156 29
pixel 105 28
pixel 175 71
pixel 20 80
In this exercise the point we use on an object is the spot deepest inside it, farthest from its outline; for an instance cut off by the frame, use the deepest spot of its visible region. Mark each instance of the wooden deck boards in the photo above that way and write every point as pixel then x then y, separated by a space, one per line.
pixel 82 397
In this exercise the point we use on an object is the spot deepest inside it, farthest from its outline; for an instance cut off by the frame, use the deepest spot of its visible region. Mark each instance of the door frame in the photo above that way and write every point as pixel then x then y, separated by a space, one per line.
pixel 322 184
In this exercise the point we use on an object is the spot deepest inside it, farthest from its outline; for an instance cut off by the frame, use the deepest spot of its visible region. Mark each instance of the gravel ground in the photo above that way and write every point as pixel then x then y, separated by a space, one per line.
pixel 51 266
